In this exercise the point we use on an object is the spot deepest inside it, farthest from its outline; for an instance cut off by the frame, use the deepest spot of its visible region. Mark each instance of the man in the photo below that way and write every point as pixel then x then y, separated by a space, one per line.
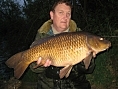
pixel 48 76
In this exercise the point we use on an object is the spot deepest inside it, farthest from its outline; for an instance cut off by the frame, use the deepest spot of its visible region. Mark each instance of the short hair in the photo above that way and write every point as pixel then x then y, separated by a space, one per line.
pixel 67 2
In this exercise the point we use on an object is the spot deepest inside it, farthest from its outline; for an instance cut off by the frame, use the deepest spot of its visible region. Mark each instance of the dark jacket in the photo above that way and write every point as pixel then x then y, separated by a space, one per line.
pixel 48 78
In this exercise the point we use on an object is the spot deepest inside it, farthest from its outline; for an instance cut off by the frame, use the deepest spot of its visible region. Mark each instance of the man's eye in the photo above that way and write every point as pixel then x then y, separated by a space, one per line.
pixel 61 12
pixel 68 14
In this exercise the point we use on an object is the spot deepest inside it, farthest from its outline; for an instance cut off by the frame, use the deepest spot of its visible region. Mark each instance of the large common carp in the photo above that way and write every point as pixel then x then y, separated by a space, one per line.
pixel 64 50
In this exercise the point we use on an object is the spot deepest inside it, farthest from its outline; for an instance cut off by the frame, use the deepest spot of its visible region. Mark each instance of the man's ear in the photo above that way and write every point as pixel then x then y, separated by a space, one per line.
pixel 51 15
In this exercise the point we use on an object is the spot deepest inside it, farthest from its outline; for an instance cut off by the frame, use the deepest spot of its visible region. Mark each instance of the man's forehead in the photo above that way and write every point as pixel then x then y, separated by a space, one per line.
pixel 63 7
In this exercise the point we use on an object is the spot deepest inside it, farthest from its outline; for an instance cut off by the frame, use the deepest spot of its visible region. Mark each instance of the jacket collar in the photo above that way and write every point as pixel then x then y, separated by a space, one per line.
pixel 47 25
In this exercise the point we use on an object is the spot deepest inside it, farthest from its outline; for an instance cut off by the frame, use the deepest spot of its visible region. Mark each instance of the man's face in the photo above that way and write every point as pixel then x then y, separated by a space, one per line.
pixel 61 17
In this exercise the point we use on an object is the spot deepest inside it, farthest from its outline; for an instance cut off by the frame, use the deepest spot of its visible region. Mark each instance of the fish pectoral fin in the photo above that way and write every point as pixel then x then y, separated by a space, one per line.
pixel 65 71
pixel 87 60
pixel 68 72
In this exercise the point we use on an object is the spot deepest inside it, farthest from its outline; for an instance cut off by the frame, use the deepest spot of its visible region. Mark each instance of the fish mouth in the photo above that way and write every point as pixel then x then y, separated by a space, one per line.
pixel 107 47
pixel 100 50
pixel 110 44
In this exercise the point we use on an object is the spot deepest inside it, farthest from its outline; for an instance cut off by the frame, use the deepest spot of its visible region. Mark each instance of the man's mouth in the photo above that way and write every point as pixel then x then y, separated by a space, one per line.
pixel 63 22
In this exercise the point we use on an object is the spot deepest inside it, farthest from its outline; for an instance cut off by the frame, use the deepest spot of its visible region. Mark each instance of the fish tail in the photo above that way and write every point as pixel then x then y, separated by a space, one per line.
pixel 14 60
pixel 18 65
pixel 20 69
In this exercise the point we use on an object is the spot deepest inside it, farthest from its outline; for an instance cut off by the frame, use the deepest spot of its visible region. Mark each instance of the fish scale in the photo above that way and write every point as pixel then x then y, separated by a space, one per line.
pixel 64 50
pixel 66 46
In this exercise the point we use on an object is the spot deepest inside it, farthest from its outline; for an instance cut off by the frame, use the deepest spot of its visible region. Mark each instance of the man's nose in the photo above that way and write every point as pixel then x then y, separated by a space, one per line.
pixel 65 16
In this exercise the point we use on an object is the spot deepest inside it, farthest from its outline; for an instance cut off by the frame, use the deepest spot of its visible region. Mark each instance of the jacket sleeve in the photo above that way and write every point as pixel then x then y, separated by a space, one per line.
pixel 38 69
pixel 81 67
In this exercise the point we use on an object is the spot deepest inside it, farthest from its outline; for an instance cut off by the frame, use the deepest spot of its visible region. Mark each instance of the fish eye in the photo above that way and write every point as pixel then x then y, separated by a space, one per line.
pixel 101 39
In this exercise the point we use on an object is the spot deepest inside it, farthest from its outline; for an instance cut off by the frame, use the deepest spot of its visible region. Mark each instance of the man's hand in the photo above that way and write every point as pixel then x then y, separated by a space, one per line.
pixel 46 64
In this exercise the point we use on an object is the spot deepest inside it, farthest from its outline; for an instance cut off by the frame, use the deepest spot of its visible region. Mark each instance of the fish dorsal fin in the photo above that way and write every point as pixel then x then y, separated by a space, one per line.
pixel 87 60
pixel 39 41
pixel 65 71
